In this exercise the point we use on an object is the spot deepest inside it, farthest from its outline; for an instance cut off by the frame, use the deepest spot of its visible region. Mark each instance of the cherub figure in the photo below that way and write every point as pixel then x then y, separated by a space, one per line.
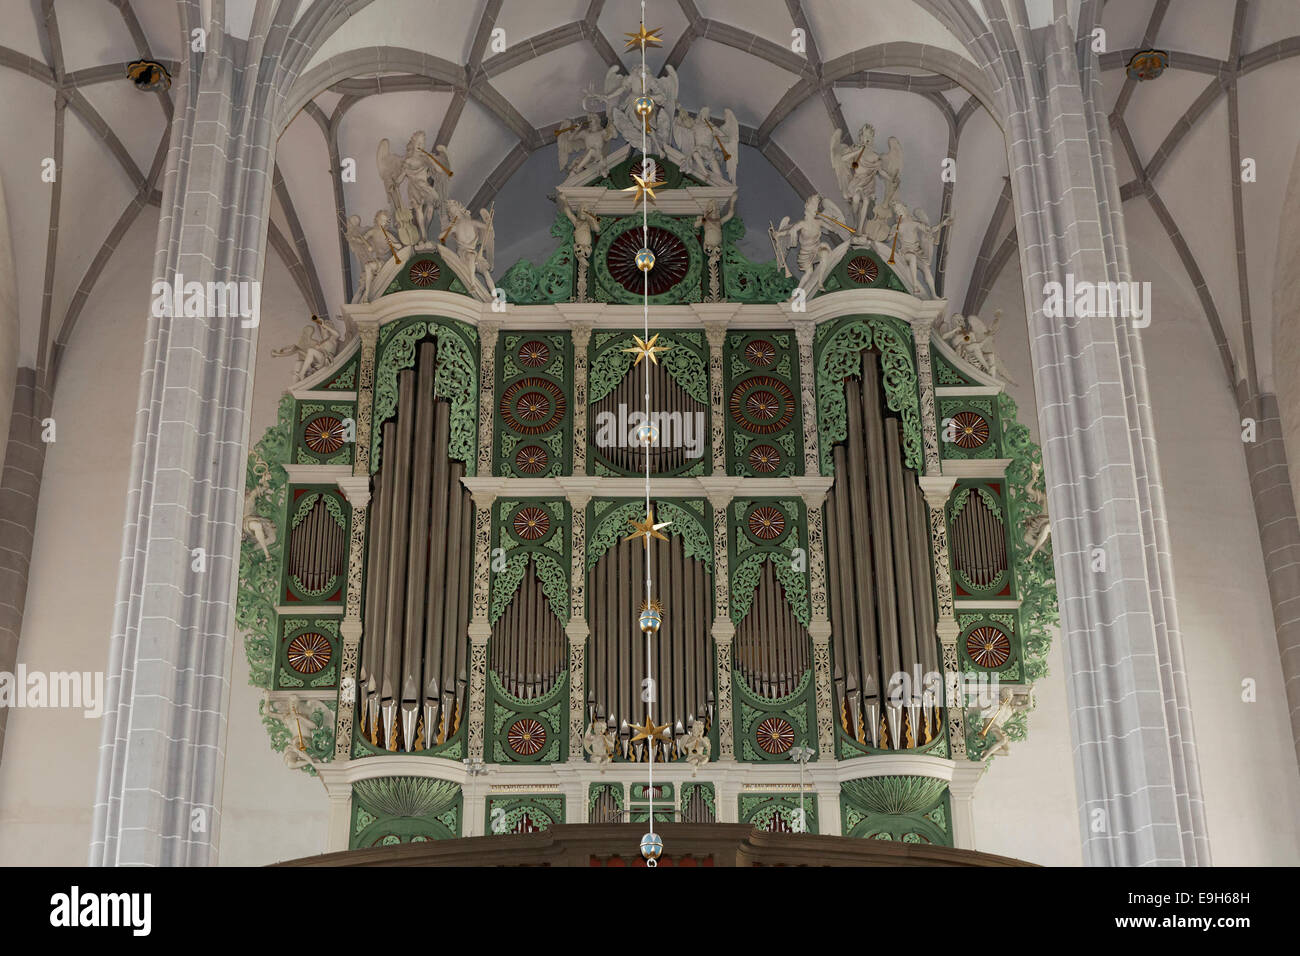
pixel 300 729
pixel 589 139
pixel 315 351
pixel 260 529
pixel 599 743
pixel 711 222
pixel 695 747
pixel 1038 528
pixel 585 226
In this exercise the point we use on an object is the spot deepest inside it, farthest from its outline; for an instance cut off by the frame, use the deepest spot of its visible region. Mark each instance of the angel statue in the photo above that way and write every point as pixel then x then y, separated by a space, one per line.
pixel 913 243
pixel 261 530
pixel 314 352
pixel 1038 528
pixel 475 248
pixel 585 226
pixel 618 97
pixel 366 256
pixel 856 166
pixel 426 176
pixel 816 257
pixel 699 142
pixel 599 743
pixel 972 340
pixel 588 138
pixel 695 747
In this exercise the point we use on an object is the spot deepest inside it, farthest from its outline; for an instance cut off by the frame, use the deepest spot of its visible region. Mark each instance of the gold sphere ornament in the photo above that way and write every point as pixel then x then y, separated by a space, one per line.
pixel 652 616
pixel 647 434
pixel 644 106
pixel 645 260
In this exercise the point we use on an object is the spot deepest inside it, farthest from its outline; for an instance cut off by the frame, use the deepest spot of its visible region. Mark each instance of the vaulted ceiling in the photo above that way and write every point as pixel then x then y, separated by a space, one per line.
pixel 64 94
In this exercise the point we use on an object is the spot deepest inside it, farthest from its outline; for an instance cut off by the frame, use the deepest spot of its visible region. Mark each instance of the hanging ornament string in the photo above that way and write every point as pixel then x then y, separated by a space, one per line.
pixel 647 434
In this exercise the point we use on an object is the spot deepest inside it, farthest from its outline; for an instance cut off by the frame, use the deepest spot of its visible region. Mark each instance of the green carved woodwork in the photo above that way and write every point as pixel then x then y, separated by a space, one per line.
pixel 706 793
pixel 748 546
pixel 523 813
pixel 456 380
pixel 259 574
pixel 308 653
pixel 838 347
pixel 607 524
pixel 639 803
pixel 1003 620
pixel 608 289
pixel 978 744
pixel 968 427
pixel 594 793
pixel 345 379
pixel 527 284
pixel 947 375
pixel 419 272
pixel 782 812
pixel 549 711
pixel 533 364
pixel 1035 578
pixel 325 415
pixel 543 541
pixel 747 281
pixel 854 272
pixel 302 500
pixel 317 740
pixel 764 432
pixel 753 713
pixel 847 747
pixel 392 810
pixel 896 807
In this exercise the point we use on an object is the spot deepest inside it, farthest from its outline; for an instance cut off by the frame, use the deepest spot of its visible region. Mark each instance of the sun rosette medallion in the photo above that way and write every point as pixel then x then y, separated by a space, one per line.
pixel 764 419
pixel 534 407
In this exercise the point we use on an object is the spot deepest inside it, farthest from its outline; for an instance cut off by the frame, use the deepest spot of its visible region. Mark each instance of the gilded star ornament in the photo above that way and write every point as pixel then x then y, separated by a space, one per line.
pixel 644 38
pixel 648 528
pixel 650 731
pixel 644 349
pixel 644 188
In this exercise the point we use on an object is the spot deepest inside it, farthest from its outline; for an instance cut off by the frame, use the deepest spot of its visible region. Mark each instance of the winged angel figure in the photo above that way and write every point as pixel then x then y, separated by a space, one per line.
pixel 474 249
pixel 856 167
pixel 588 140
pixel 700 141
pixel 618 97
pixel 427 177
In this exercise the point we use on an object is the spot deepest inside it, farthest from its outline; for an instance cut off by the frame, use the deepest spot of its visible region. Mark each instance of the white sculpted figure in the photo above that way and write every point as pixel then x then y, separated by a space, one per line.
pixel 475 248
pixel 618 98
pixel 701 145
pixel 366 256
pixel 998 715
pixel 712 221
pixel 314 351
pixel 856 166
pixel 972 340
pixel 588 139
pixel 1038 528
pixel 816 257
pixel 585 227
pixel 695 747
pixel 914 245
pixel 426 177
pixel 261 530
pixel 599 743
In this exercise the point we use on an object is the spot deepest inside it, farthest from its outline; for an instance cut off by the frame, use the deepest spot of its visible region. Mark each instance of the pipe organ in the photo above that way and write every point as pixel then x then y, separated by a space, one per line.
pixel 438 568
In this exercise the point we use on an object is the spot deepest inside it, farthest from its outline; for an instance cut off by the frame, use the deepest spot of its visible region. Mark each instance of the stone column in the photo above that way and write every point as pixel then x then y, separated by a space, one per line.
pixel 162 755
pixel 1279 535
pixel 581 337
pixel 723 630
pixel 805 331
pixel 716 332
pixel 357 490
pixel 20 488
pixel 1138 777
pixel 577 628
pixel 937 491
pixel 962 791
